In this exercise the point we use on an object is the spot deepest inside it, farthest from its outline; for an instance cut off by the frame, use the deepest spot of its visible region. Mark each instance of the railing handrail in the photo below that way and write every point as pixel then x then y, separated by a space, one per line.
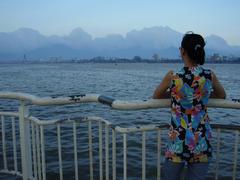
pixel 117 128
pixel 113 103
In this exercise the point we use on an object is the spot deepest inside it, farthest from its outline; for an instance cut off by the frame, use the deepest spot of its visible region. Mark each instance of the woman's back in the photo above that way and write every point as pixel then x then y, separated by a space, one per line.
pixel 190 130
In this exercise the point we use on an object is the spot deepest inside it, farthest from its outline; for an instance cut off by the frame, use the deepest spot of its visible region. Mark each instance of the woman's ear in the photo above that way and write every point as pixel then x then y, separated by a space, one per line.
pixel 181 52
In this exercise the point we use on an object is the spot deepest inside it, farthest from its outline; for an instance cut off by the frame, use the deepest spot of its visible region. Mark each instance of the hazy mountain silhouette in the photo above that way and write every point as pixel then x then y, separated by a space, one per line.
pixel 79 44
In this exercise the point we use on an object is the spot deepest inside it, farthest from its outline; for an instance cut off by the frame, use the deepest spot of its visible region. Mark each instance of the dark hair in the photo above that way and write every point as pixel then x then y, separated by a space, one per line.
pixel 194 44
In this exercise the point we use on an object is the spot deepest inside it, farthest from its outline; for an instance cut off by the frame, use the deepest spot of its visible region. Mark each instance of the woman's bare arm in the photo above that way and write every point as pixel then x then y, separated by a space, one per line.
pixel 218 90
pixel 161 91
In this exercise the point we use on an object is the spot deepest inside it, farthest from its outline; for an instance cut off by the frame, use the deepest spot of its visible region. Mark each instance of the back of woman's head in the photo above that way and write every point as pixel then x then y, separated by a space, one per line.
pixel 194 44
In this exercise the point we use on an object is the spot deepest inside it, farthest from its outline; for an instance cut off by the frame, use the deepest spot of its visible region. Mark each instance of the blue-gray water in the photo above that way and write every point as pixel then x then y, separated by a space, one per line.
pixel 121 81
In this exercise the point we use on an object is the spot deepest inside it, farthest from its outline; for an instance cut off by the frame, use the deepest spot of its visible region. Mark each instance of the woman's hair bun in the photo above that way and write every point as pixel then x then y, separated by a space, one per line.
pixel 194 44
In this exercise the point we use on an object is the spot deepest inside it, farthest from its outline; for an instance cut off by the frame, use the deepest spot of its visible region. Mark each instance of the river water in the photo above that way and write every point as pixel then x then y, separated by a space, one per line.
pixel 135 81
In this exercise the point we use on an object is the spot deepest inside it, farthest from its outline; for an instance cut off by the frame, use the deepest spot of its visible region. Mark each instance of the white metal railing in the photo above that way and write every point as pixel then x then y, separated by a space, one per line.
pixel 31 141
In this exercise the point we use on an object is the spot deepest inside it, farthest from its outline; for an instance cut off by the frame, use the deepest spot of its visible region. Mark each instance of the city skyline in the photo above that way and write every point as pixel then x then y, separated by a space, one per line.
pixel 99 19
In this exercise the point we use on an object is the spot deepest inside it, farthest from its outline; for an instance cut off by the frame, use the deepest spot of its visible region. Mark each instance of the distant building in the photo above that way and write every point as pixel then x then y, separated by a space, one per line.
pixel 155 57
pixel 215 57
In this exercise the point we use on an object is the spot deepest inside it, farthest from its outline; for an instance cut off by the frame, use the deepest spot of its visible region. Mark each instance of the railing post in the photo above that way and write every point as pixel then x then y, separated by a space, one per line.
pixel 100 152
pixel 143 155
pixel 4 144
pixel 159 148
pixel 25 145
pixel 124 156
pixel 107 152
pixel 113 154
pixel 90 148
pixel 218 153
pixel 235 155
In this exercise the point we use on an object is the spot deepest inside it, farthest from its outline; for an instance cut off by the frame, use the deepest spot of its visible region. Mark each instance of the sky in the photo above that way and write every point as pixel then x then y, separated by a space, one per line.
pixel 102 17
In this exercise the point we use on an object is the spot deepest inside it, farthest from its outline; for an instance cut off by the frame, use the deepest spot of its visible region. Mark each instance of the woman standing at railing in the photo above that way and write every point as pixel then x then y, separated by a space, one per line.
pixel 190 132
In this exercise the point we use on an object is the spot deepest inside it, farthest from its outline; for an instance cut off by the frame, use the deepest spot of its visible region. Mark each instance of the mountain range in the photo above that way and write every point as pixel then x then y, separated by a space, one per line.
pixel 164 41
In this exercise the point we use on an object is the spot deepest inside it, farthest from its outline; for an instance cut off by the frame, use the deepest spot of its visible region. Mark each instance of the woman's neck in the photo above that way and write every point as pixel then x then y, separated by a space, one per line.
pixel 189 63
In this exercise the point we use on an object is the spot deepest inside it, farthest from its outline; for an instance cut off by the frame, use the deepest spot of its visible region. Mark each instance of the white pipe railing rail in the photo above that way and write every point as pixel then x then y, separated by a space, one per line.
pixel 32 136
pixel 115 104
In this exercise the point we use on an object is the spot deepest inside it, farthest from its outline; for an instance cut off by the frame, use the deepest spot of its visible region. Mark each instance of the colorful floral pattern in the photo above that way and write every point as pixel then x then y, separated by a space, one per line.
pixel 190 131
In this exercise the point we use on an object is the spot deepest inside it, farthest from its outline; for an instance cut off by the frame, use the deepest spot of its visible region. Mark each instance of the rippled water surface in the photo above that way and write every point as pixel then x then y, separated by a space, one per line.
pixel 121 81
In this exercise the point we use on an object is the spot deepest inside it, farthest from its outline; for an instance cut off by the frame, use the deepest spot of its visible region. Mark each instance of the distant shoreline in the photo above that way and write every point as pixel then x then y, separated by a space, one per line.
pixel 119 61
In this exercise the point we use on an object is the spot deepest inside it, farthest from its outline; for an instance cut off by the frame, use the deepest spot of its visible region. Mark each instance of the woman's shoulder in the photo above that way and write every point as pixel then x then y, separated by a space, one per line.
pixel 206 70
pixel 208 73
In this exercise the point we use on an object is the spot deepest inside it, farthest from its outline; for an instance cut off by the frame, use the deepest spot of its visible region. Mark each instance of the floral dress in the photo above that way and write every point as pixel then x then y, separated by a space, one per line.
pixel 190 131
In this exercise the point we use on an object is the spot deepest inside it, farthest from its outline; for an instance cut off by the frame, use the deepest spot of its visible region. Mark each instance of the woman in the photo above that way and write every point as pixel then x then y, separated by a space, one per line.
pixel 190 132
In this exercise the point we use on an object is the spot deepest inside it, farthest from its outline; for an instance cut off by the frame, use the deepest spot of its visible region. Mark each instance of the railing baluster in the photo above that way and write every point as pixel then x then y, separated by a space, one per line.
pixel 113 154
pixel 29 149
pixel 34 150
pixel 25 144
pixel 100 152
pixel 159 154
pixel 59 151
pixel 43 153
pixel 143 155
pixel 4 144
pixel 38 153
pixel 107 151
pixel 90 148
pixel 75 150
pixel 235 154
pixel 14 145
pixel 218 153
pixel 124 156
